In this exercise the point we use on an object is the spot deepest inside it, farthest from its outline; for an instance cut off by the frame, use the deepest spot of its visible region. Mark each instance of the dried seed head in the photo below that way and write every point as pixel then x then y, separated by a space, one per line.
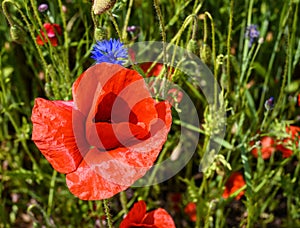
pixel 100 6
pixel 205 53
pixel 17 34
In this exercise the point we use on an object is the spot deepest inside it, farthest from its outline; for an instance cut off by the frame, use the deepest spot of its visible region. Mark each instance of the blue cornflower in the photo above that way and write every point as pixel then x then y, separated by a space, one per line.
pixel 109 51
pixel 252 34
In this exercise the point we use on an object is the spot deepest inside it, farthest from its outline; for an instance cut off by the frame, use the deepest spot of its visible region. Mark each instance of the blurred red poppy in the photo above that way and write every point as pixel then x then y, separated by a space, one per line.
pixel 175 198
pixel 282 145
pixel 267 147
pixel 155 70
pixel 108 137
pixel 52 31
pixel 234 183
pixel 191 210
pixel 138 217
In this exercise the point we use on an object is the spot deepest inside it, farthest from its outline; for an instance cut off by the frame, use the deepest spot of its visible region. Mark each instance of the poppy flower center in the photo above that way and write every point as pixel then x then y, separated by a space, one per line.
pixel 121 113
pixel 115 124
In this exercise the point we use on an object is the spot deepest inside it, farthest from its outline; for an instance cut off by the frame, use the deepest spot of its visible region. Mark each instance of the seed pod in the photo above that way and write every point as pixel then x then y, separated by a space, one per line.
pixel 100 6
pixel 205 53
pixel 17 34
pixel 193 46
pixel 100 33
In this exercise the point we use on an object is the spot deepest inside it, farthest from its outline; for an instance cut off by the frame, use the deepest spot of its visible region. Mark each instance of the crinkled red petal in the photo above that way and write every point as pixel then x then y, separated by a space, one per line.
pixel 135 216
pixel 86 182
pixel 53 134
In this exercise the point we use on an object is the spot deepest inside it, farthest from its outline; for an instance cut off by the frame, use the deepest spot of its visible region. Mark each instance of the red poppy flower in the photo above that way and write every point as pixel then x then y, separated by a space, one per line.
pixel 52 30
pixel 108 137
pixel 298 99
pixel 267 147
pixel 138 217
pixel 191 210
pixel 234 183
pixel 282 145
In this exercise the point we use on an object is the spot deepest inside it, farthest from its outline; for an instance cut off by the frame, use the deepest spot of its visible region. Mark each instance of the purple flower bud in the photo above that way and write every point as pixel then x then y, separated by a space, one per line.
pixel 132 28
pixel 43 7
pixel 269 104
pixel 252 34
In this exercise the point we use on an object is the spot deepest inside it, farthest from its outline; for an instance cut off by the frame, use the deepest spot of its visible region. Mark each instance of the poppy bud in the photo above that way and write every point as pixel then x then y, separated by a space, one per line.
pixel 100 34
pixel 205 53
pixel 100 6
pixel 193 47
pixel 269 104
pixel 17 34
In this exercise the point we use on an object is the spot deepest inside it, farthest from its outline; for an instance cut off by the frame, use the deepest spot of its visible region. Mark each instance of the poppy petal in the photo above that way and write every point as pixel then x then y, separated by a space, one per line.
pixel 103 174
pixel 135 216
pixel 39 40
pixel 99 80
pixel 159 218
pixel 108 136
pixel 92 80
pixel 87 184
pixel 53 134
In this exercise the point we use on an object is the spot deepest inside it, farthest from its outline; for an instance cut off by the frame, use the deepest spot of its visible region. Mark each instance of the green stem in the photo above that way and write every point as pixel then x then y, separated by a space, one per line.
pixel 66 43
pixel 213 40
pixel 123 199
pixel 246 43
pixel 127 20
pixel 162 28
pixel 273 55
pixel 51 192
pixel 6 14
pixel 107 212
pixel 116 26
pixel 229 45
pixel 36 13
pixel 23 140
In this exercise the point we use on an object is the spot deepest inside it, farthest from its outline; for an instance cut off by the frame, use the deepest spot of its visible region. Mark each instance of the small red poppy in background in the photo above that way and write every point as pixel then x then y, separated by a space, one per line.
pixel 155 70
pixel 52 31
pixel 106 138
pixel 234 183
pixel 298 99
pixel 175 198
pixel 138 217
pixel 294 138
pixel 191 210
pixel 267 147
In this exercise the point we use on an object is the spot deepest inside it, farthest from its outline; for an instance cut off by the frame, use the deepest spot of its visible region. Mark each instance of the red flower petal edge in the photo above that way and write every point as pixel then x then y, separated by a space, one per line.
pixel 267 147
pixel 108 137
pixel 191 210
pixel 137 217
pixel 51 30
pixel 234 183
pixel 53 134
